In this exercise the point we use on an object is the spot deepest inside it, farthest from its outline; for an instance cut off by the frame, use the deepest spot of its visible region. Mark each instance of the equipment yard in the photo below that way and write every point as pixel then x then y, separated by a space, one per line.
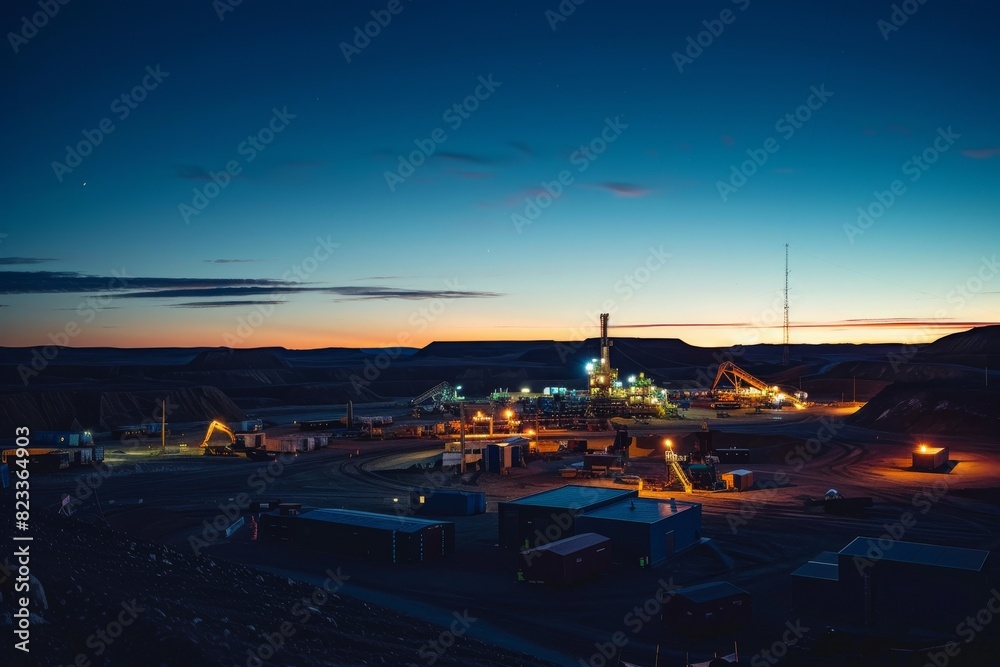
pixel 756 538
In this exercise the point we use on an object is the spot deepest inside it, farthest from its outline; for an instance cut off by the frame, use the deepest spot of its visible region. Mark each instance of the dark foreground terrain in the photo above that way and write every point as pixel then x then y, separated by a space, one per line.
pixel 110 599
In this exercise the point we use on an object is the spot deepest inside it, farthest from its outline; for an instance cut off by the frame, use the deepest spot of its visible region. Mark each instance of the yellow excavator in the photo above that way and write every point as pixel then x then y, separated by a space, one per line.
pixel 218 450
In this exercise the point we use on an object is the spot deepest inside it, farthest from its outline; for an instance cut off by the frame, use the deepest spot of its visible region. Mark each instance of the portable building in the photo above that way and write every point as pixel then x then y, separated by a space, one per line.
pixel 707 608
pixel 602 462
pixel 81 456
pixel 815 585
pixel 551 515
pixel 930 458
pixel 448 502
pixel 910 585
pixel 568 561
pixel 498 457
pixel 739 480
pixel 283 444
pixel 60 438
pixel 645 531
pixel 251 440
pixel 50 461
pixel 374 537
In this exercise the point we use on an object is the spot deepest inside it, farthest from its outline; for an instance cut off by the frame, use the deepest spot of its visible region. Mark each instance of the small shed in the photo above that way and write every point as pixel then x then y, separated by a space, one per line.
pixel 815 584
pixel 366 535
pixel 567 561
pixel 740 480
pixel 930 458
pixel 448 502
pixel 707 608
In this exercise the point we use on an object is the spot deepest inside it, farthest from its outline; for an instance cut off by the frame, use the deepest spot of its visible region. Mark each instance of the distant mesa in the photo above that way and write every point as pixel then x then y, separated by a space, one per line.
pixel 230 359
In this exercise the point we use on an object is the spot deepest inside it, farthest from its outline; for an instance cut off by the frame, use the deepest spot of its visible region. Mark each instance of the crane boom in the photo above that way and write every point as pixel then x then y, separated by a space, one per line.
pixel 736 375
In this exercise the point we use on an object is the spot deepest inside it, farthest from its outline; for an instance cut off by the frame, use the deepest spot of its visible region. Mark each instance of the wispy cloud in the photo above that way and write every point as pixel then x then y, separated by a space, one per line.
pixel 8 261
pixel 37 282
pixel 227 304
pixel 231 261
pixel 981 153
pixel 523 148
pixel 624 189
pixel 40 282
pixel 376 292
pixel 469 158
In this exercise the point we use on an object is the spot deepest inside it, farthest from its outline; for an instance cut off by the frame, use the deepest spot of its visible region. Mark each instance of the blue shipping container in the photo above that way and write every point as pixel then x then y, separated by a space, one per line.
pixel 446 502
pixel 4 476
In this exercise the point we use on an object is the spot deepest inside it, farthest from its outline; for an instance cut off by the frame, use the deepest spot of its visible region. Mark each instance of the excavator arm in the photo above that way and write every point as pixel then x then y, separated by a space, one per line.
pixel 218 426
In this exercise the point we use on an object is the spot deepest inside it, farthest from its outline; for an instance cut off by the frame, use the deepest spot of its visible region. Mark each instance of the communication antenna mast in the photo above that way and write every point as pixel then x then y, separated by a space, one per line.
pixel 786 359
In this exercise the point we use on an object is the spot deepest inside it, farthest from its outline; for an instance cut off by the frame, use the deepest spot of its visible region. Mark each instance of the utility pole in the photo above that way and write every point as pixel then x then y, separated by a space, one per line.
pixel 786 354
pixel 461 437
pixel 163 426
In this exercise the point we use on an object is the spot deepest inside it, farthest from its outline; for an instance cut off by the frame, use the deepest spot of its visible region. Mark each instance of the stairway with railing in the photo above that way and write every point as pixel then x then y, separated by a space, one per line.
pixel 674 462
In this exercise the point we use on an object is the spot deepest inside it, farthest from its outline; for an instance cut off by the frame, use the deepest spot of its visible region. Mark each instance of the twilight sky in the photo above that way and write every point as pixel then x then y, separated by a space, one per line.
pixel 197 173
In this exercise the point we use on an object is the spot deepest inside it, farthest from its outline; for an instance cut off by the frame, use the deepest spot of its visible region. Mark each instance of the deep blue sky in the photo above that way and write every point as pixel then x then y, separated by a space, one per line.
pixel 443 255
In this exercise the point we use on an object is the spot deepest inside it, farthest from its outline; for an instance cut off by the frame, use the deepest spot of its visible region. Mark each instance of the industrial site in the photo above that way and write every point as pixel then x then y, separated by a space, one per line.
pixel 603 502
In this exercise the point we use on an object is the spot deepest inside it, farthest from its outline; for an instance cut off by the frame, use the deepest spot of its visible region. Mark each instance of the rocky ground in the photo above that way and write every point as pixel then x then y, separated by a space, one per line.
pixel 110 599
